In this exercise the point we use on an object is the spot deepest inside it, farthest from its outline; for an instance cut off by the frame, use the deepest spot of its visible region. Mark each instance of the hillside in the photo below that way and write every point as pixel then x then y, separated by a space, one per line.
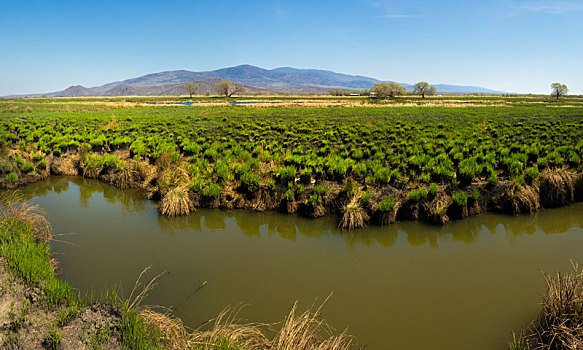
pixel 255 79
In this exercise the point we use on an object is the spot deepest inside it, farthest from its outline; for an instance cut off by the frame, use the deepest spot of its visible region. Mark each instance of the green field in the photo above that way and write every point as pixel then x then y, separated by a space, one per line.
pixel 312 157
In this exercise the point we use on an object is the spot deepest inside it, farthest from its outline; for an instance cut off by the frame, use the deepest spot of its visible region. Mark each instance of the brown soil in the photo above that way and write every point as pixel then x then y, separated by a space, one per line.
pixel 25 322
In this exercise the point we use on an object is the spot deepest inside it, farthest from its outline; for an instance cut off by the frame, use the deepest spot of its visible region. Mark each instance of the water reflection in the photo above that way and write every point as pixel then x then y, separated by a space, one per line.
pixel 289 227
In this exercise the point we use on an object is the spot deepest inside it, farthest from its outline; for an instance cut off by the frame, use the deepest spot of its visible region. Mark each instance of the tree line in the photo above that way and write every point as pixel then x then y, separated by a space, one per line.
pixel 381 90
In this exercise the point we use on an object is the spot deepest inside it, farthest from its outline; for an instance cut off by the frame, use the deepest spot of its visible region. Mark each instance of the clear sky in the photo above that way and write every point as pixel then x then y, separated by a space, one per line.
pixel 510 45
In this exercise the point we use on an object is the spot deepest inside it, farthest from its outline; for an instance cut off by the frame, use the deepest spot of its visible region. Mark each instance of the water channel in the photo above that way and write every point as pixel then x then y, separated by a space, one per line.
pixel 410 285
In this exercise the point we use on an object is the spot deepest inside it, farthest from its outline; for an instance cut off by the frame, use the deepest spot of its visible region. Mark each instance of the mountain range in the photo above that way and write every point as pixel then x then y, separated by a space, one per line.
pixel 255 79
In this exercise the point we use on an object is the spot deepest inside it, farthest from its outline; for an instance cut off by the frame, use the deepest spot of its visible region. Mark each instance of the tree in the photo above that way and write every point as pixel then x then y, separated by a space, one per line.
pixel 384 90
pixel 559 89
pixel 192 88
pixel 423 89
pixel 229 89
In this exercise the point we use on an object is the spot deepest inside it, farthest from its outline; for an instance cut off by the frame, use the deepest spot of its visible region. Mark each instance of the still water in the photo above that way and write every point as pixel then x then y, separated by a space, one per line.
pixel 405 286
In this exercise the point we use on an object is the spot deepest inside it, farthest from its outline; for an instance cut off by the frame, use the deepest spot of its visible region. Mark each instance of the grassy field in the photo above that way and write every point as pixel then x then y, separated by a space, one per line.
pixel 436 162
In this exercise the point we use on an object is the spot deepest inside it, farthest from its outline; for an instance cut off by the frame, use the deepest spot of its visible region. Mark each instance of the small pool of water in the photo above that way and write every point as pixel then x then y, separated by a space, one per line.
pixel 405 286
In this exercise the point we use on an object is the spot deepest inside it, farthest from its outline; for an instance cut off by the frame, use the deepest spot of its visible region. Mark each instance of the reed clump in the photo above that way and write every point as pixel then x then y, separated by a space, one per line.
pixel 354 216
pixel 176 202
pixel 560 322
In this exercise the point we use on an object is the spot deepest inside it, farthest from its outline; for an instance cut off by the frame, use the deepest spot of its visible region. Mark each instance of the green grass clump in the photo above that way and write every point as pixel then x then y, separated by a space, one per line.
pixel 460 199
pixel 30 260
pixel 387 204
pixel 212 191
pixel 287 173
pixel 417 195
pixel 250 181
pixel 12 177
pixel 28 167
pixel 530 174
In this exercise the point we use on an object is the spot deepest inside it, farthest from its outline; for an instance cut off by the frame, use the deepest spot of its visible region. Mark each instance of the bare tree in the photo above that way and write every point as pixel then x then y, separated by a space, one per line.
pixel 423 89
pixel 384 90
pixel 559 89
pixel 229 89
pixel 192 88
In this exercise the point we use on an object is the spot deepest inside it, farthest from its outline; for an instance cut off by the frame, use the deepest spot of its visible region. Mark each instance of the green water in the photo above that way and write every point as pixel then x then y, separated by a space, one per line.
pixel 406 286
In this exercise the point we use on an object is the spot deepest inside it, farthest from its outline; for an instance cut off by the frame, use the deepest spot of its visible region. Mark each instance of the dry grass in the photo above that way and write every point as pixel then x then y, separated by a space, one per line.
pixel 128 173
pixel 225 326
pixel 354 216
pixel 176 202
pixel 13 207
pixel 557 188
pixel 521 199
pixel 308 331
pixel 170 330
pixel 560 323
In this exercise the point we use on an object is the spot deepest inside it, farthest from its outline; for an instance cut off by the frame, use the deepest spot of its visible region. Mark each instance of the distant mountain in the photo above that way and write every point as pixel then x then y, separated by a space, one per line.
pixel 254 78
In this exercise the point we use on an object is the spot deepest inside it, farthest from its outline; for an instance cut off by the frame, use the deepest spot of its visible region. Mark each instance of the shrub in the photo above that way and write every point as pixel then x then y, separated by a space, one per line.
pixel 460 199
pixel 417 195
pixel 12 177
pixel 387 205
pixel 212 191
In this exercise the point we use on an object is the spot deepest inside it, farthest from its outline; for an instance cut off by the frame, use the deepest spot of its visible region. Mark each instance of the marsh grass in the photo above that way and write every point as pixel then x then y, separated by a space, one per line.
pixel 560 322
pixel 354 216
pixel 24 236
pixel 176 202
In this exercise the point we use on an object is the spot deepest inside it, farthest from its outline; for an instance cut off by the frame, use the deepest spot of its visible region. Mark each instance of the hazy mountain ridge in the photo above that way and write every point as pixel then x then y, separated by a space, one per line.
pixel 254 78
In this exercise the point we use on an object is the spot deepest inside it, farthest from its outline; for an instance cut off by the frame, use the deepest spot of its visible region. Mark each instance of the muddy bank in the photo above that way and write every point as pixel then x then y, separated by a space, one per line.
pixel 27 323
pixel 353 202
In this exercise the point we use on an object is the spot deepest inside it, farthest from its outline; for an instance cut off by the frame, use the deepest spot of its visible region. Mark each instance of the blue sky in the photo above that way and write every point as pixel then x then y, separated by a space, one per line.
pixel 510 45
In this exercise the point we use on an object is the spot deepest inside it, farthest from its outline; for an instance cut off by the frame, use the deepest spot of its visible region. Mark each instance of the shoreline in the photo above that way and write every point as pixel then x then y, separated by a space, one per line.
pixel 353 203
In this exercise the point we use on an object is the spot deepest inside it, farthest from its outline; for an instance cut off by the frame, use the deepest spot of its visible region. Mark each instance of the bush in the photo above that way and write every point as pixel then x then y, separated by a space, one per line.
pixel 417 195
pixel 387 205
pixel 12 177
pixel 460 199
pixel 212 191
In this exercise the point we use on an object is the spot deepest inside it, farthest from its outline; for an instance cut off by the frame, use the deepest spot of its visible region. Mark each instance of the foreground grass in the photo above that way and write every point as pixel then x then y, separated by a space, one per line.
pixel 46 312
pixel 559 324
